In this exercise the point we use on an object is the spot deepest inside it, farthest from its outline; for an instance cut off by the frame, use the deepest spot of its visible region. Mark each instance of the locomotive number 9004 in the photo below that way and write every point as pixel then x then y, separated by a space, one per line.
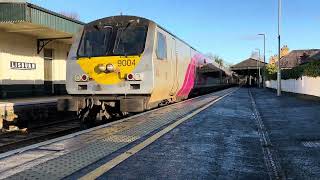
pixel 126 62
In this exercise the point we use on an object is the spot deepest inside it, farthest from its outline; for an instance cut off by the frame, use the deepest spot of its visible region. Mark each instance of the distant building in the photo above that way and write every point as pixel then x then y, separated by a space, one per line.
pixel 284 51
pixel 248 71
pixel 297 57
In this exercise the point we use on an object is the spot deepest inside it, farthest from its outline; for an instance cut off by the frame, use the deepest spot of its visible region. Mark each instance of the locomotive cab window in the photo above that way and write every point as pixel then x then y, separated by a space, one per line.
pixel 161 47
pixel 130 41
pixel 95 41
pixel 112 41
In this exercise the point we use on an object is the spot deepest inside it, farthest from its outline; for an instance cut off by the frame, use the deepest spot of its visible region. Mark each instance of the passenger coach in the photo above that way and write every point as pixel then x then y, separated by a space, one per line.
pixel 126 64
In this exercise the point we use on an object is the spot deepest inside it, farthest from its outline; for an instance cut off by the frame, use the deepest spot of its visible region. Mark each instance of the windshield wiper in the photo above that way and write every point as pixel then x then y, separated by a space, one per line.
pixel 120 37
pixel 96 27
pixel 129 24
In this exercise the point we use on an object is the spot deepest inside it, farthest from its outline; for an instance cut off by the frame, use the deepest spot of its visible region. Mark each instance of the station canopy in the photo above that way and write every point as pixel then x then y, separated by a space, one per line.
pixel 248 67
pixel 29 19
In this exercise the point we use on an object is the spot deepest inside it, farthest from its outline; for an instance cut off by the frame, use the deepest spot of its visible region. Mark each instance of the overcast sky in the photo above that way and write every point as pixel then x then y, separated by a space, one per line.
pixel 224 27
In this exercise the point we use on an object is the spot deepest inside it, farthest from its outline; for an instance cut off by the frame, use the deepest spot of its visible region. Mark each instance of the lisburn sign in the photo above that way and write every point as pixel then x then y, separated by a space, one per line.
pixel 22 65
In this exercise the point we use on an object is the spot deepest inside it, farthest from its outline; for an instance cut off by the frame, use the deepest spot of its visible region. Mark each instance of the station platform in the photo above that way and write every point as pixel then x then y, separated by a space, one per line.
pixel 32 100
pixel 236 133
pixel 23 110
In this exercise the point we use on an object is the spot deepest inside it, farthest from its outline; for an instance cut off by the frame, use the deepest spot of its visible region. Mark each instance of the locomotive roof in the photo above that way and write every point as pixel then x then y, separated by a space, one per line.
pixel 124 19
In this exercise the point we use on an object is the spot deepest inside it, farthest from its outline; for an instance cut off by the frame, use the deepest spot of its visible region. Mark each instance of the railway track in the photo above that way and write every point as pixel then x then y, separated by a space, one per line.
pixel 42 132
pixel 14 140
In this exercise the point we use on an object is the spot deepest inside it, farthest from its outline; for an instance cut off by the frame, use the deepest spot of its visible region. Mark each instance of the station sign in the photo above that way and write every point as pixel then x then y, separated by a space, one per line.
pixel 22 65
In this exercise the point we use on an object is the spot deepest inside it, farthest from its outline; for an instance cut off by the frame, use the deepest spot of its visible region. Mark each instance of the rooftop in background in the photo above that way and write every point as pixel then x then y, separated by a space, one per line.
pixel 297 57
pixel 33 20
pixel 315 57
pixel 248 64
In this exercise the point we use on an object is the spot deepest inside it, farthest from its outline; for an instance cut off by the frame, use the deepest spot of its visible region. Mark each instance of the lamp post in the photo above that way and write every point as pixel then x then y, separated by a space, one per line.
pixel 264 59
pixel 279 49
pixel 258 67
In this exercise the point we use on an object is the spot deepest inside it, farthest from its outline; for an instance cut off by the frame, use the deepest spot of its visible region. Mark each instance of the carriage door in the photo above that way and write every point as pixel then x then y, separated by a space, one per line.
pixel 174 67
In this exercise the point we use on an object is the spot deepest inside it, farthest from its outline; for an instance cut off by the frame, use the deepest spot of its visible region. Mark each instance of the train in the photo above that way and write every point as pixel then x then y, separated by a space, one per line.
pixel 128 64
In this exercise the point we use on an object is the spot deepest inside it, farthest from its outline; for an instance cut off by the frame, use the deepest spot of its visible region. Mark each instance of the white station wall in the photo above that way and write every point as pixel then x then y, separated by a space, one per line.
pixel 305 85
pixel 19 48
pixel 16 47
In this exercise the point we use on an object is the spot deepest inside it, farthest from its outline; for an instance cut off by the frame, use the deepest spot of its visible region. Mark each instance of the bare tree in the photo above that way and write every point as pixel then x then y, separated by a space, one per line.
pixel 228 65
pixel 210 55
pixel 72 15
pixel 216 58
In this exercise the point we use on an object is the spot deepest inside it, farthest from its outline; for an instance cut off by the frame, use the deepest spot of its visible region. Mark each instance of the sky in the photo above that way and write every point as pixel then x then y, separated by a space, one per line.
pixel 227 28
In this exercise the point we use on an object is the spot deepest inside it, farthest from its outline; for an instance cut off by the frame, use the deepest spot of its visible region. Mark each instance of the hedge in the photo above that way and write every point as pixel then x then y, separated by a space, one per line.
pixel 311 69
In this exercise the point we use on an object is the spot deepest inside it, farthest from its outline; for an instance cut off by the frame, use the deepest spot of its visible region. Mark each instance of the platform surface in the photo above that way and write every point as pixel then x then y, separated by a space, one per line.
pixel 33 100
pixel 224 141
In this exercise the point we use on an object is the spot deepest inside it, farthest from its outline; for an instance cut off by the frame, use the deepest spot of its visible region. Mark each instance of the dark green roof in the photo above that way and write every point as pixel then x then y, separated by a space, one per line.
pixel 26 12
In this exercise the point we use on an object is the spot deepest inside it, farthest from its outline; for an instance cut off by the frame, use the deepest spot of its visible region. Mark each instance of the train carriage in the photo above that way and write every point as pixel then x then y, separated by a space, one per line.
pixel 130 64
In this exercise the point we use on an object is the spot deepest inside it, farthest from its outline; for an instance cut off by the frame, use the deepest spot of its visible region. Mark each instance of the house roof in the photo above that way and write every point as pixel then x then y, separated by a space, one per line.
pixel 248 64
pixel 315 57
pixel 297 57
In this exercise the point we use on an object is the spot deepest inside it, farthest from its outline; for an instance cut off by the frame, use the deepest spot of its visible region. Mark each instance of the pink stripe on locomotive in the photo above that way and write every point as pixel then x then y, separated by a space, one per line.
pixel 190 77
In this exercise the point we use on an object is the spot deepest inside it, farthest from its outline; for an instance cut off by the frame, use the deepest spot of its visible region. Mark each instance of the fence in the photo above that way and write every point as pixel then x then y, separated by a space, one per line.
pixel 305 85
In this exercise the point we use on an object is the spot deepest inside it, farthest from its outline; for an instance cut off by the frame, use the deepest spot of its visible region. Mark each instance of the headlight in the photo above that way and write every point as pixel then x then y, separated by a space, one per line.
pixel 102 68
pixel 77 78
pixel 110 68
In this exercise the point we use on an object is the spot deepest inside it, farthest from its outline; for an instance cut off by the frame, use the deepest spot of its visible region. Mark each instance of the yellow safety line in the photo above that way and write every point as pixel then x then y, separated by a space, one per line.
pixel 122 157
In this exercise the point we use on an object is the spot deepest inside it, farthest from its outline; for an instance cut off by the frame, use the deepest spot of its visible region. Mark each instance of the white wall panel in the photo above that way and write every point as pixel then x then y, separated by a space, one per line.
pixel 19 48
pixel 305 85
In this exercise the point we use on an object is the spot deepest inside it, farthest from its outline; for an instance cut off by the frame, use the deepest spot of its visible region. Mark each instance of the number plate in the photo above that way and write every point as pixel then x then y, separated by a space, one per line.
pixel 126 62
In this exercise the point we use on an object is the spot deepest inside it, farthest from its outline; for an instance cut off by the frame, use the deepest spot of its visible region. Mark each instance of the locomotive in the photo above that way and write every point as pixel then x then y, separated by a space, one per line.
pixel 128 64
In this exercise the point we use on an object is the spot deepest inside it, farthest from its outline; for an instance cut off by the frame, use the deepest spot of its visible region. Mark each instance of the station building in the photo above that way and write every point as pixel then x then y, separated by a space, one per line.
pixel 250 71
pixel 34 45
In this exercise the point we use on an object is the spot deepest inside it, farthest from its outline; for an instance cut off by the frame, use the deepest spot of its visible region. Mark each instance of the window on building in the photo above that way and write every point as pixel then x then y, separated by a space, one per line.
pixel 48 54
pixel 161 47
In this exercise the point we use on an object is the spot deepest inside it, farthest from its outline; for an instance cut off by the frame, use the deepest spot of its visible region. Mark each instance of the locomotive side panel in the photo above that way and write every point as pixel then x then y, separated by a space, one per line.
pixel 186 69
pixel 171 59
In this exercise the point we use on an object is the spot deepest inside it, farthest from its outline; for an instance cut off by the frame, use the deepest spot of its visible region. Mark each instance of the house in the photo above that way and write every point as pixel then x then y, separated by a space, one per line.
pixel 298 57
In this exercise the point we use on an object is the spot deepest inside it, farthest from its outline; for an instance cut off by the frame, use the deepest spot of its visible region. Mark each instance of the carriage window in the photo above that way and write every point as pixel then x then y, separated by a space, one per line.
pixel 161 47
